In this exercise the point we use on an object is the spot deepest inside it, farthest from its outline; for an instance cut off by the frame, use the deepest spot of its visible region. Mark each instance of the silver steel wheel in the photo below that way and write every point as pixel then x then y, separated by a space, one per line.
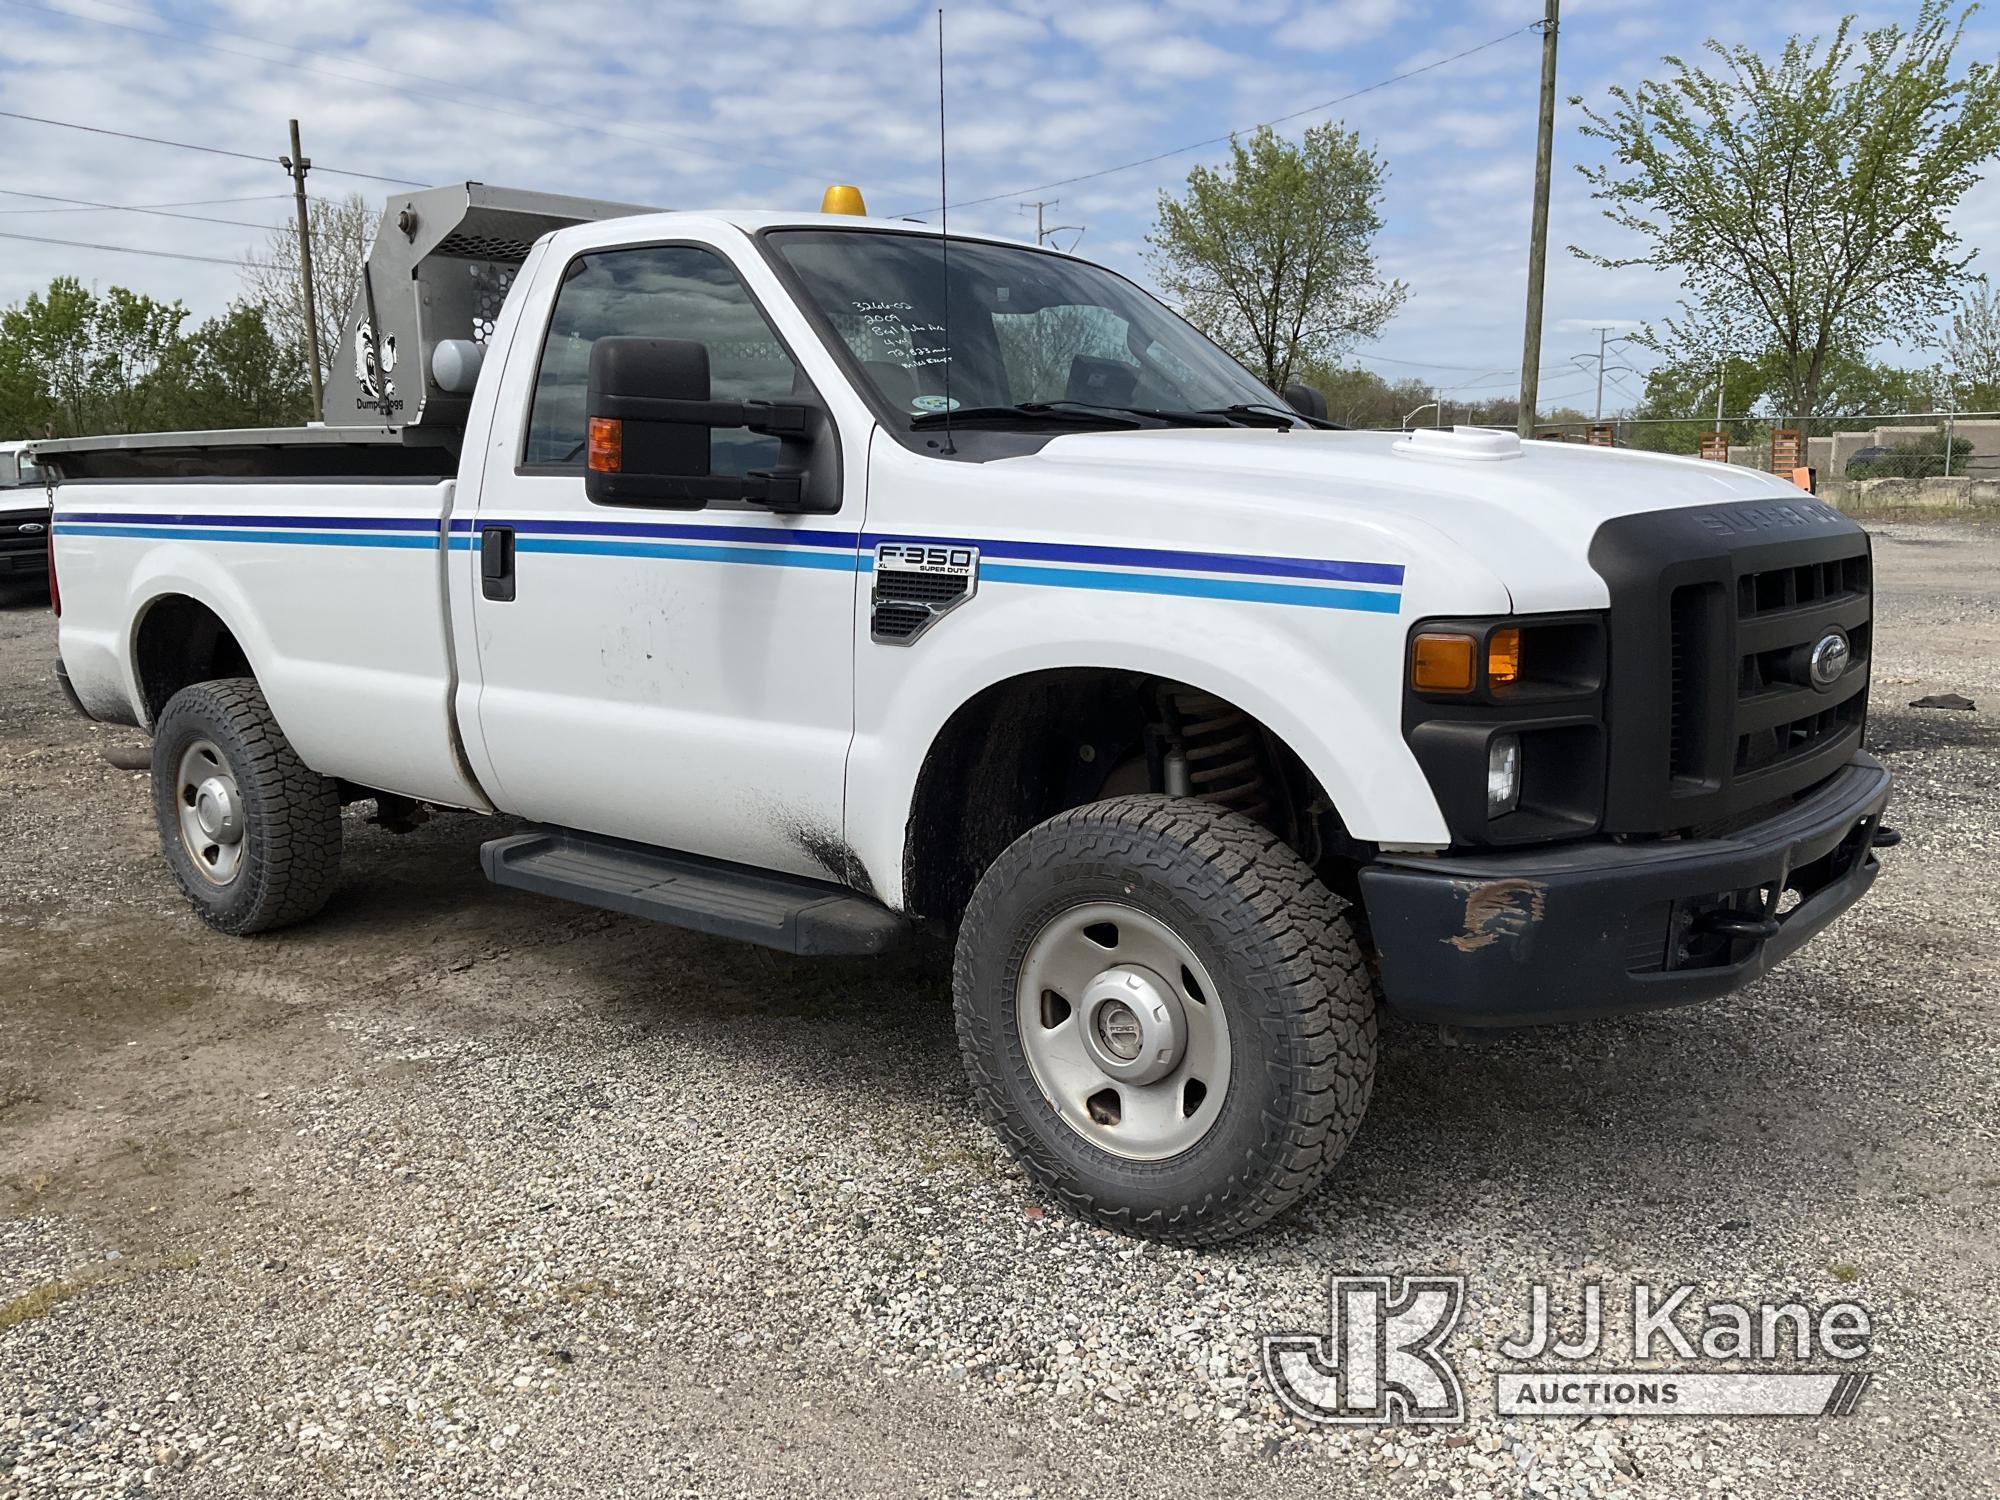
pixel 211 812
pixel 1123 1031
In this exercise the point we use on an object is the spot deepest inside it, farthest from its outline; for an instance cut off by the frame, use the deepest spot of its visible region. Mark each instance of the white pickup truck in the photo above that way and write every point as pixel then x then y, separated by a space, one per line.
pixel 798 580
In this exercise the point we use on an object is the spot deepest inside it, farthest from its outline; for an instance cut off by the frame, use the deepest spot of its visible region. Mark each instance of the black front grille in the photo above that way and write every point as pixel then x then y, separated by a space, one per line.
pixel 1714 619
pixel 15 535
pixel 1777 589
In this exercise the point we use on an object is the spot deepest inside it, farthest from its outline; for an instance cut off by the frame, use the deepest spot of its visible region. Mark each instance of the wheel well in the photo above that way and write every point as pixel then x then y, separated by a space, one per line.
pixel 1028 748
pixel 182 641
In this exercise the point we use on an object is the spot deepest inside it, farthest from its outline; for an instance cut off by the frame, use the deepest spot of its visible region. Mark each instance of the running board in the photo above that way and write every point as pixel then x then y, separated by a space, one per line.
pixel 787 912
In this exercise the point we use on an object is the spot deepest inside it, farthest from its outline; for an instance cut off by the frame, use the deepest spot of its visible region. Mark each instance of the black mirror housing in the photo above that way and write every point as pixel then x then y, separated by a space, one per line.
pixel 648 420
pixel 1306 400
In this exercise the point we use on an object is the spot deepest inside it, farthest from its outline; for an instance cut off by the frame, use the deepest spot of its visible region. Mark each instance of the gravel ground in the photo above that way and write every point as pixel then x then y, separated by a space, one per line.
pixel 461 1192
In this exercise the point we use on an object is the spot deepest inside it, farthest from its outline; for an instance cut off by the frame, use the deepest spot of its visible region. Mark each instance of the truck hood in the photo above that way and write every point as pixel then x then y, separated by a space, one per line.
pixel 1524 511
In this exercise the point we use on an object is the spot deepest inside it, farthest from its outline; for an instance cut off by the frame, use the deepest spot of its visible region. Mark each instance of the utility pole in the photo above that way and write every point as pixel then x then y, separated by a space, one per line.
pixel 1721 375
pixel 1597 416
pixel 298 165
pixel 1042 233
pixel 1538 237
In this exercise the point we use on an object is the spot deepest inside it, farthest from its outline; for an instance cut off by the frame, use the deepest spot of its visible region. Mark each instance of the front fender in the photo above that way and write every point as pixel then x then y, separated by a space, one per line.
pixel 1326 683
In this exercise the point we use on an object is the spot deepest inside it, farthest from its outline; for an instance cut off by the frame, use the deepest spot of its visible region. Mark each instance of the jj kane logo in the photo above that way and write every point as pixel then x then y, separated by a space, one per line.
pixel 1384 1357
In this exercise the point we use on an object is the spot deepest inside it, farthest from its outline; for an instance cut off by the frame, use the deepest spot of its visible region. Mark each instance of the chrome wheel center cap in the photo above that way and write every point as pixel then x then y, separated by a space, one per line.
pixel 216 811
pixel 1133 1027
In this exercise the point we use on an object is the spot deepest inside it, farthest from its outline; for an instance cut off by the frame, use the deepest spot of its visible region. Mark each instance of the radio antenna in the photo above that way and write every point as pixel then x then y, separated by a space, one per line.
pixel 944 238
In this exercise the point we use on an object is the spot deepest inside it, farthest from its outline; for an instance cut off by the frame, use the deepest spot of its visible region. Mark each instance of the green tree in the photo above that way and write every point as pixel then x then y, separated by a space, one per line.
pixel 1969 379
pixel 48 340
pixel 73 363
pixel 1685 391
pixel 1271 254
pixel 1855 392
pixel 231 372
pixel 1361 398
pixel 1804 203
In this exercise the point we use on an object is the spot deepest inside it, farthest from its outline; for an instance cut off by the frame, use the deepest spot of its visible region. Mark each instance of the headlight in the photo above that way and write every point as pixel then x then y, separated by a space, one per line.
pixel 1503 774
pixel 1506 717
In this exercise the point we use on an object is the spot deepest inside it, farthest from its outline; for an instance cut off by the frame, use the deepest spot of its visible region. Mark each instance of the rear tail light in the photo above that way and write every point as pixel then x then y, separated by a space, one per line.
pixel 55 591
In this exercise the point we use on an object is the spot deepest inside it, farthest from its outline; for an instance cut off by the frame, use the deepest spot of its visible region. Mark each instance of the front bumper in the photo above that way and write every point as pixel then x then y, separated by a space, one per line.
pixel 1581 930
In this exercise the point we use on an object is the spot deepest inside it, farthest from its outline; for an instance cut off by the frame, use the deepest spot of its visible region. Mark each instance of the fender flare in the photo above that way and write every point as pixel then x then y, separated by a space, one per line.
pixel 165 574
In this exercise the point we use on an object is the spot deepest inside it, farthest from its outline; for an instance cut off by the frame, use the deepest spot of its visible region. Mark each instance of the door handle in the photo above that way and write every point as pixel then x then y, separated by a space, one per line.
pixel 496 562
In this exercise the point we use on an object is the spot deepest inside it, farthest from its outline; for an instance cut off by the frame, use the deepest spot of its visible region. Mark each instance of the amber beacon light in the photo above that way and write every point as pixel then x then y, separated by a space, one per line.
pixel 842 198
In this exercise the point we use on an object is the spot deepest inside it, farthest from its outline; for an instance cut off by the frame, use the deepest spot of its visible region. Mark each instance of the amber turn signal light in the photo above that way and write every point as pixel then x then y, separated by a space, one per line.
pixel 607 445
pixel 1441 664
pixel 1503 657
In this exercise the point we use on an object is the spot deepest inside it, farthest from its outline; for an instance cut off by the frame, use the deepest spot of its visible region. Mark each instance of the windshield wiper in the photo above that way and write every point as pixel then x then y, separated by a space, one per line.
pixel 1046 411
pixel 1257 413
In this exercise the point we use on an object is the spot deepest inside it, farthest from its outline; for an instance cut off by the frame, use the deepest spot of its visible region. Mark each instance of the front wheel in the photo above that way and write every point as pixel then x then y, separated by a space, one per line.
pixel 1165 1016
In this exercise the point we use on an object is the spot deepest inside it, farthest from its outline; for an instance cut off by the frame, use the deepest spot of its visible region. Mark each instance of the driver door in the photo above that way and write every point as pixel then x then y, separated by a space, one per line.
pixel 682 678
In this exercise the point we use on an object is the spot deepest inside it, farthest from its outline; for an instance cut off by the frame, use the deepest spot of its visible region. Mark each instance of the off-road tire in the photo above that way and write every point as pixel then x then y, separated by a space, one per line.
pixel 1299 1001
pixel 291 814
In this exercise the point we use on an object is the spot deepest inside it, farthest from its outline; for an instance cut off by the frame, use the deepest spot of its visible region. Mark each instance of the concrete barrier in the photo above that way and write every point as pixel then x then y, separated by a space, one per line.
pixel 1974 496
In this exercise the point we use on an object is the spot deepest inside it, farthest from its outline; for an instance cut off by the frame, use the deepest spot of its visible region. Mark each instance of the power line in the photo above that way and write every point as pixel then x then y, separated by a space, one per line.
pixel 214 260
pixel 1421 364
pixel 133 208
pixel 1310 109
pixel 597 125
pixel 153 140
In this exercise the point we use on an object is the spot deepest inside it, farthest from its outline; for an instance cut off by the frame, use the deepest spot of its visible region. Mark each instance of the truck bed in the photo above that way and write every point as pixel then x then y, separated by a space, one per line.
pixel 333 591
pixel 314 451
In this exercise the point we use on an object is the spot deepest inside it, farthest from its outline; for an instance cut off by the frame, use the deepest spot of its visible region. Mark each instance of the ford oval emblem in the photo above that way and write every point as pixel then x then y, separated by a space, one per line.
pixel 1829 659
pixel 31 528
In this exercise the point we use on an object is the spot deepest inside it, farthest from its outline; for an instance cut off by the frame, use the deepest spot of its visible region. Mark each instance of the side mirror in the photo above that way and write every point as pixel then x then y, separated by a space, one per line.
pixel 648 418
pixel 1306 400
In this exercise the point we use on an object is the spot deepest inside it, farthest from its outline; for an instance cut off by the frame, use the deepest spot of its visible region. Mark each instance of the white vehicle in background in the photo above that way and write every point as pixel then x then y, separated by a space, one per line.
pixel 24 517
pixel 798 585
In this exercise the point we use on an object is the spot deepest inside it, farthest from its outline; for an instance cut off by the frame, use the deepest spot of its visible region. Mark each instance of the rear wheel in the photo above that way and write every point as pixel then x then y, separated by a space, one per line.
pixel 1165 1016
pixel 251 834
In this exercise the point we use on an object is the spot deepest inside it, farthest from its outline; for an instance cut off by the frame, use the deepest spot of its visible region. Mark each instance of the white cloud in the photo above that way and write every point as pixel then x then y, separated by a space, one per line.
pixel 761 102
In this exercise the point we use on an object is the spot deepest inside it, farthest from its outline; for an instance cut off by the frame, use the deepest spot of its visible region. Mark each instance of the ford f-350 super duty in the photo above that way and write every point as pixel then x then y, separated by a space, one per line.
pixel 803 577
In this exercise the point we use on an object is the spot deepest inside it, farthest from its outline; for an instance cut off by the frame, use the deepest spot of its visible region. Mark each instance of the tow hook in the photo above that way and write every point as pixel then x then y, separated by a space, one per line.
pixel 1887 838
pixel 1738 924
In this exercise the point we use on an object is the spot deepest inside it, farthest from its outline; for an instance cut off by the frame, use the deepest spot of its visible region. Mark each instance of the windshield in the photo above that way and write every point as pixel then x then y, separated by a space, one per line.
pixel 1026 328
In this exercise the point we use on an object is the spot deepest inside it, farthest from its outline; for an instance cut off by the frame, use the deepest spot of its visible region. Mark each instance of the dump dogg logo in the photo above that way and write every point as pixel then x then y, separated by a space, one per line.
pixel 1384 1360
pixel 374 362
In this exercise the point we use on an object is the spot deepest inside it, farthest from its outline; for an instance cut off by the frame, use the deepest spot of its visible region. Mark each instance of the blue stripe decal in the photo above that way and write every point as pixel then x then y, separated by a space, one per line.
pixel 822 550
pixel 1244 590
pixel 762 535
pixel 236 518
pixel 1328 569
pixel 839 562
pixel 427 542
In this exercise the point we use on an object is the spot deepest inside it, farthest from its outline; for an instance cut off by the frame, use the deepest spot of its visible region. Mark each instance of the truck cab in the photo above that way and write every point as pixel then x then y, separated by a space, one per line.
pixel 811 578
